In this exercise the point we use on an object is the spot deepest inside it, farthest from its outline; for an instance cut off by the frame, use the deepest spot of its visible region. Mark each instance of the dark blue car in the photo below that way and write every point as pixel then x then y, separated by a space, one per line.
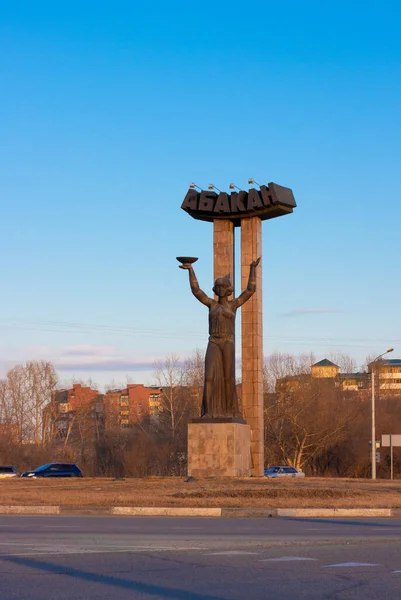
pixel 54 470
pixel 283 471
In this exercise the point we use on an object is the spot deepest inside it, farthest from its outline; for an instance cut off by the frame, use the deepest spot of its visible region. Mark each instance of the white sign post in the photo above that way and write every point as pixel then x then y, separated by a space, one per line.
pixel 391 440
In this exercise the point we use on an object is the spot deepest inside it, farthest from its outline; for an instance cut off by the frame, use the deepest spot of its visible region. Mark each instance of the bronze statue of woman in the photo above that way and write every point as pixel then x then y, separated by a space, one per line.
pixel 219 392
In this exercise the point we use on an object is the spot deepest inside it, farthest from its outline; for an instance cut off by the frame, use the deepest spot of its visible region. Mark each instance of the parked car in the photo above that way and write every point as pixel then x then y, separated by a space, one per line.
pixel 54 470
pixel 7 471
pixel 283 472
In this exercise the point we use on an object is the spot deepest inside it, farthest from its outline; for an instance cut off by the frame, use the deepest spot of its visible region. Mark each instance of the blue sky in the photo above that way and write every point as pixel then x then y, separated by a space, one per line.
pixel 109 110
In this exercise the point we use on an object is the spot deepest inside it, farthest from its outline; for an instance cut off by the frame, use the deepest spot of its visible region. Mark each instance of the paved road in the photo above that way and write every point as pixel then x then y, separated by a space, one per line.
pixel 106 558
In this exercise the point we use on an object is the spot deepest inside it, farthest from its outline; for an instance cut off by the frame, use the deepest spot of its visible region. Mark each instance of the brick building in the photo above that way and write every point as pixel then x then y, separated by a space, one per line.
pixel 125 407
pixel 84 407
pixel 77 403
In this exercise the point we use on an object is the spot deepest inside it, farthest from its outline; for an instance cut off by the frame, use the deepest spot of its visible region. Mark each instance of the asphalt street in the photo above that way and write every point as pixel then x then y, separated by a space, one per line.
pixel 99 558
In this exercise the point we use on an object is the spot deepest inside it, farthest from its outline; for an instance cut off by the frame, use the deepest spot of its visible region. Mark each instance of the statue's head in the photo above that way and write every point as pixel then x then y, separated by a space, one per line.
pixel 223 287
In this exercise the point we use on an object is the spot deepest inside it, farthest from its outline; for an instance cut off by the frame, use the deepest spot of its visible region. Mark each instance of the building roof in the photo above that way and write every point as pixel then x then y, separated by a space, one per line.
pixel 354 374
pixel 386 361
pixel 325 363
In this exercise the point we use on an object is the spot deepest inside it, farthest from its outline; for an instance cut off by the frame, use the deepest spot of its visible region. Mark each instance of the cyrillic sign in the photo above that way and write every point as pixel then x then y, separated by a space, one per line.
pixel 268 202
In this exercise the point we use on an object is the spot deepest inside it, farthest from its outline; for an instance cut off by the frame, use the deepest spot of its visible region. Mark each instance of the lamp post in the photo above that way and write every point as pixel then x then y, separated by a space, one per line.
pixel 373 443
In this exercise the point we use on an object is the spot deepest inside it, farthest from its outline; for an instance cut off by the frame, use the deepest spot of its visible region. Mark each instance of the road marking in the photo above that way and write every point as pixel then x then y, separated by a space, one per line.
pixel 286 559
pixel 76 551
pixel 389 529
pixel 231 553
pixel 16 544
pixel 353 564
pixel 320 529
pixel 184 528
pixel 60 526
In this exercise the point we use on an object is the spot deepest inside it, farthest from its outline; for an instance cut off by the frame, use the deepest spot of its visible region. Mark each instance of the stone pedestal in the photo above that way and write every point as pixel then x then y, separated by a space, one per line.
pixel 219 449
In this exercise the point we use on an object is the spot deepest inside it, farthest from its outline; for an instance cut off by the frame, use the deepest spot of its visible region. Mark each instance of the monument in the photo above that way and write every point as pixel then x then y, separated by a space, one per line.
pixel 221 442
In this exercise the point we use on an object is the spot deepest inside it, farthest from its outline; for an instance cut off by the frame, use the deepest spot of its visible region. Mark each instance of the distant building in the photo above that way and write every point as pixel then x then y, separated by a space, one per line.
pixel 388 377
pixel 84 407
pixel 354 382
pixel 328 372
pixel 125 407
pixel 325 368
pixel 388 373
pixel 77 403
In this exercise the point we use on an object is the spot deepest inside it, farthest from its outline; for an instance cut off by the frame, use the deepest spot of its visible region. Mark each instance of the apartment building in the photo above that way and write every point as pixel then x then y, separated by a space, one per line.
pixel 388 373
pixel 83 407
pixel 388 378
pixel 327 372
pixel 125 407
pixel 78 403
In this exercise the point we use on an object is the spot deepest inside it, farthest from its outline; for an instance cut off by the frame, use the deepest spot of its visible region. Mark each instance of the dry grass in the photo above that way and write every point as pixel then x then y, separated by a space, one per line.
pixel 171 491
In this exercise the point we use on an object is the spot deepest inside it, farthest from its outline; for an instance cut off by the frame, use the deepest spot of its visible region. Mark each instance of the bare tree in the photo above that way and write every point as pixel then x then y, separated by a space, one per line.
pixel 42 381
pixel 346 363
pixel 169 376
pixel 193 377
pixel 307 419
pixel 369 359
pixel 5 408
pixel 279 365
pixel 23 396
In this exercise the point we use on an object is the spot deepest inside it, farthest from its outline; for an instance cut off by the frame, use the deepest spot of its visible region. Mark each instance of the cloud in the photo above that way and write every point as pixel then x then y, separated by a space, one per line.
pixel 300 312
pixel 108 364
pixel 88 350
pixel 38 350
pixel 89 358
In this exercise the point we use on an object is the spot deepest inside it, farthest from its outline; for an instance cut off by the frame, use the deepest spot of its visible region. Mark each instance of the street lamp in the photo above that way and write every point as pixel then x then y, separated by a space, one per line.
pixel 373 448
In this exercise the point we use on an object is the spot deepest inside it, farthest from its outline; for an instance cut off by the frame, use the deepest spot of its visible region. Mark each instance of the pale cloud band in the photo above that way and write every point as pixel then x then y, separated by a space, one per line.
pixel 110 364
pixel 300 312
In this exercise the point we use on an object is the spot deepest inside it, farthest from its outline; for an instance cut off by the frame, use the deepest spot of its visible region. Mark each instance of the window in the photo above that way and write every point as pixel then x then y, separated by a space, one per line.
pixel 7 470
pixel 55 468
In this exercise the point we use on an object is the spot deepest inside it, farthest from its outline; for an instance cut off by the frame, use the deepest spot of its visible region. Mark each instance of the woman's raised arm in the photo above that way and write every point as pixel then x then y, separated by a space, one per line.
pixel 195 289
pixel 251 287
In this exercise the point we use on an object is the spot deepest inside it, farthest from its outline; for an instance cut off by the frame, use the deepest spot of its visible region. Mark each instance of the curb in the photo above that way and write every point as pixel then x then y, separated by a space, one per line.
pixel 335 512
pixel 30 510
pixel 164 512
pixel 155 511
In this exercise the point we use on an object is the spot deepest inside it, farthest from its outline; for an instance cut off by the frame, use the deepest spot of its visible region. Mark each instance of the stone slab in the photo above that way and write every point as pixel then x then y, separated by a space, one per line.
pixel 219 449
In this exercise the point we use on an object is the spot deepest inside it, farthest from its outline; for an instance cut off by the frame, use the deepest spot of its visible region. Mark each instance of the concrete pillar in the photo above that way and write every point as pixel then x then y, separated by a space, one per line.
pixel 252 343
pixel 223 248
